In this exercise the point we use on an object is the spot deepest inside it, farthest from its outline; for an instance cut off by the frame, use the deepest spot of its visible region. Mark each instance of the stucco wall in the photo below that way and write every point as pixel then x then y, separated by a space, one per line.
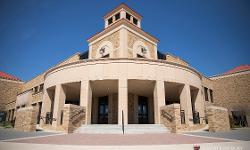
pixel 123 68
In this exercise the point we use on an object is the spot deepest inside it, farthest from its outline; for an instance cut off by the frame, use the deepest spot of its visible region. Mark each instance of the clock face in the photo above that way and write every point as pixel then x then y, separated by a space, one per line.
pixel 102 50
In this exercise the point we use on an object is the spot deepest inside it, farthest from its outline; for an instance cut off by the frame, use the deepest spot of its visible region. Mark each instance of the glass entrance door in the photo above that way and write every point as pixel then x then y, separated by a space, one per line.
pixel 103 110
pixel 143 110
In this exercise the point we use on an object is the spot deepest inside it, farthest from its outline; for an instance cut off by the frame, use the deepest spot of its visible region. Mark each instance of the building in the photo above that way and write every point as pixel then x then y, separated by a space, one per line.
pixel 124 79
pixel 9 87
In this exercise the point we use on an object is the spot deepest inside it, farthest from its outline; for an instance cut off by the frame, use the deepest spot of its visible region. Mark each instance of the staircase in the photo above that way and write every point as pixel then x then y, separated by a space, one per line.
pixel 117 129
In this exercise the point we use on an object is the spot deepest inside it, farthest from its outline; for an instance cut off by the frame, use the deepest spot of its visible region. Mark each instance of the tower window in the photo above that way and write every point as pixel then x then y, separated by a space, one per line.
pixel 135 21
pixel 110 20
pixel 117 16
pixel 128 16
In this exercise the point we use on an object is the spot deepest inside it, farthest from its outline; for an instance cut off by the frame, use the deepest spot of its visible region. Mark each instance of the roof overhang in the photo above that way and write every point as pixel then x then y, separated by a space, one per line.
pixel 119 23
pixel 126 8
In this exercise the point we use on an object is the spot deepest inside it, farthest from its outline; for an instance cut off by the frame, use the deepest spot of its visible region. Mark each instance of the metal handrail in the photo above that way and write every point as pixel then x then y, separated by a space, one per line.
pixel 122 123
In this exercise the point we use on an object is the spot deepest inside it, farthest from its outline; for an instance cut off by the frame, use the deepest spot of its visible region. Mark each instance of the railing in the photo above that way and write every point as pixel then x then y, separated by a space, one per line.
pixel 183 117
pixel 196 117
pixel 122 122
pixel 48 118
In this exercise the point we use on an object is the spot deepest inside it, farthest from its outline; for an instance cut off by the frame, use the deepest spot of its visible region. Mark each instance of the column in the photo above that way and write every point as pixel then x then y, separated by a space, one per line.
pixel 123 101
pixel 208 95
pixel 46 106
pixel 159 100
pixel 200 106
pixel 59 102
pixel 86 99
pixel 186 105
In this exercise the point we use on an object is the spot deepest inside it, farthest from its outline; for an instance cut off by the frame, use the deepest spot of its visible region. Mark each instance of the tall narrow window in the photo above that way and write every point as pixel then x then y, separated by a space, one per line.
pixel 117 16
pixel 211 95
pixel 135 21
pixel 206 95
pixel 110 20
pixel 128 16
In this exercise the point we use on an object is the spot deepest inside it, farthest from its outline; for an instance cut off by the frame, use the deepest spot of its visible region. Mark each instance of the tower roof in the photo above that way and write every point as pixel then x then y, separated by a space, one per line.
pixel 125 7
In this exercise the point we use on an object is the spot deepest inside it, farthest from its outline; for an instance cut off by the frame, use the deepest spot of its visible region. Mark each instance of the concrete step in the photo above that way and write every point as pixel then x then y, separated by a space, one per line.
pixel 117 129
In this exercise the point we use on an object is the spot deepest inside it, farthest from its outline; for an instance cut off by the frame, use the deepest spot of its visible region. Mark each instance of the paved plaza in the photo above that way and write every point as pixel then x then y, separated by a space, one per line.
pixel 10 139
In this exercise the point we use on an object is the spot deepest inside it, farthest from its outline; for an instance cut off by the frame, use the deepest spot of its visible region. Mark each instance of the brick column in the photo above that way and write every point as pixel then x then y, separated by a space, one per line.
pixel 159 99
pixel 59 102
pixel 86 99
pixel 123 101
pixel 186 105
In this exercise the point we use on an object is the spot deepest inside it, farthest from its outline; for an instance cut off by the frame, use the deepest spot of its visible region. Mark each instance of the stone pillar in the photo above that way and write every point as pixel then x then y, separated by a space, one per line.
pixel 123 101
pixel 46 106
pixel 186 105
pixel 208 95
pixel 86 99
pixel 159 99
pixel 59 102
pixel 200 106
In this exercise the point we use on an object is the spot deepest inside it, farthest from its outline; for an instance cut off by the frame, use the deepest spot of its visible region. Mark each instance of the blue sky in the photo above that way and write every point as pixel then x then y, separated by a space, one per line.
pixel 213 36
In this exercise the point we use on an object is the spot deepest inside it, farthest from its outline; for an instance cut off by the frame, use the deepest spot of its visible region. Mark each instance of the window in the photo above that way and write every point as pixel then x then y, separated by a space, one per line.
pixel 211 95
pixel 36 89
pixel 105 56
pixel 110 20
pixel 41 88
pixel 135 21
pixel 128 16
pixel 206 95
pixel 140 56
pixel 117 16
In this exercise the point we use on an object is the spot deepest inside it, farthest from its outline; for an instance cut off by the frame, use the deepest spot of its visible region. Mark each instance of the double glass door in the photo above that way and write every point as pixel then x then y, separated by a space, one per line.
pixel 143 110
pixel 103 110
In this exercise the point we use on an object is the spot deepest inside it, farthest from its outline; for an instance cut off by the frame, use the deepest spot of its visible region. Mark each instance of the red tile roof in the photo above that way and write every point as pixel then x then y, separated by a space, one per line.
pixel 238 69
pixel 4 75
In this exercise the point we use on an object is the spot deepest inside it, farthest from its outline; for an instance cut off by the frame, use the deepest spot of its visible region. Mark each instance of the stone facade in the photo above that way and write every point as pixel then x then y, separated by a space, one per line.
pixel 232 92
pixel 170 117
pixel 8 92
pixel 218 119
pixel 114 38
pixel 132 38
pixel 26 119
pixel 73 117
pixel 174 59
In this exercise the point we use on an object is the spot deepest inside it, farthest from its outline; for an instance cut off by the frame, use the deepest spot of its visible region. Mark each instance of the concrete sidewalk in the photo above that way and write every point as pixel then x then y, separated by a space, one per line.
pixel 8 134
pixel 243 145
pixel 242 134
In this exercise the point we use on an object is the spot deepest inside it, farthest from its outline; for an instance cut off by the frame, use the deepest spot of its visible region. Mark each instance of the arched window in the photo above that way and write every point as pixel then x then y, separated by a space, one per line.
pixel 104 50
pixel 140 50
